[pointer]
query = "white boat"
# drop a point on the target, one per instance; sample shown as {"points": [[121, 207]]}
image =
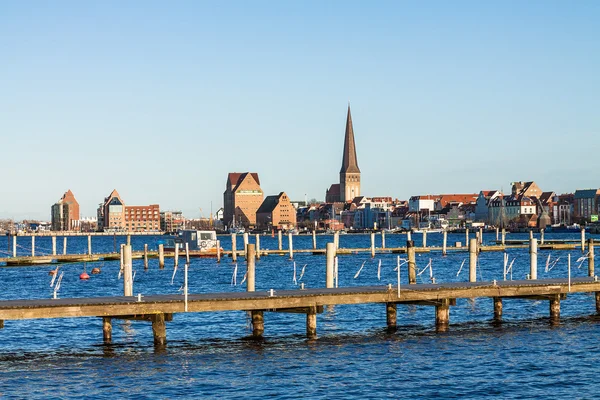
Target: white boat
{"points": [[202, 241]]}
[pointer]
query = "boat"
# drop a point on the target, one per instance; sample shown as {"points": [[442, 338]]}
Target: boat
{"points": [[204, 242]]}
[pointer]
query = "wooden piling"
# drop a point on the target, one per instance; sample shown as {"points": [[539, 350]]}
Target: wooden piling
{"points": [[444, 242], [480, 235], [159, 330], [127, 271], [530, 234], [382, 239], [258, 324], [257, 242], [466, 237], [533, 258], [187, 253], [582, 240], [14, 245], [424, 238], [391, 313], [442, 316], [279, 240], [33, 246], [107, 329], [372, 244], [53, 245], [1, 324], [176, 256], [412, 265], [314, 239], [246, 241], [591, 257], [161, 256], [218, 251], [555, 307], [330, 259], [497, 309], [250, 269], [408, 236], [64, 246], [542, 236], [336, 239], [503, 236], [497, 234], [311, 323], [473, 260], [291, 245], [145, 256], [89, 240], [122, 259], [233, 248]]}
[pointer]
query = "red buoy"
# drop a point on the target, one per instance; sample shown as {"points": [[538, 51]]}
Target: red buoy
{"points": [[84, 276]]}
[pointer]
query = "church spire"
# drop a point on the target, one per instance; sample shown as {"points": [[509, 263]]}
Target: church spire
{"points": [[349, 161]]}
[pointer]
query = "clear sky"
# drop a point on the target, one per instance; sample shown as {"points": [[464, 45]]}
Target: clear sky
{"points": [[161, 100]]}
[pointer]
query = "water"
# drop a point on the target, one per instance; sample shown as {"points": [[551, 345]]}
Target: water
{"points": [[210, 354]]}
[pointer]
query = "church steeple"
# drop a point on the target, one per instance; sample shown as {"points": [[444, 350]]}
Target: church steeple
{"points": [[349, 161]]}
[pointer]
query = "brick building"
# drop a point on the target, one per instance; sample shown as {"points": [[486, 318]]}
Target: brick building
{"points": [[65, 213], [171, 221], [276, 212], [114, 215], [241, 199], [586, 204]]}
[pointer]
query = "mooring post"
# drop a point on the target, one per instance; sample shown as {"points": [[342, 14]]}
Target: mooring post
{"points": [[314, 239], [233, 248], [336, 239], [497, 234], [530, 234], [218, 251], [533, 256], [372, 244], [32, 245], [480, 235], [412, 265], [64, 246], [145, 255], [14, 245], [114, 242], [161, 256], [542, 236], [382, 239], [311, 323], [250, 269], [555, 307], [246, 241], [503, 236], [330, 259], [107, 329], [497, 309], [257, 241], [89, 245], [473, 260], [408, 236], [466, 237], [442, 315], [444, 242], [477, 237], [291, 245], [159, 330], [258, 324], [53, 245], [424, 238], [391, 316], [582, 240], [122, 259], [176, 256], [279, 240], [127, 271], [590, 257], [187, 253]]}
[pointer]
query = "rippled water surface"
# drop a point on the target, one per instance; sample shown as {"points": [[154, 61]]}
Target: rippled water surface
{"points": [[210, 355]]}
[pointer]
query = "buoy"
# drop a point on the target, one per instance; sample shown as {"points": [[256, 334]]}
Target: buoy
{"points": [[53, 272], [95, 271], [84, 276]]}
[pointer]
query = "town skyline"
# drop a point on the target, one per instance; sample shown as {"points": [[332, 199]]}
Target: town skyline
{"points": [[454, 98]]}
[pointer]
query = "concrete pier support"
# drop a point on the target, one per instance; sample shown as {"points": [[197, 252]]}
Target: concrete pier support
{"points": [[382, 239], [250, 269], [32, 246], [372, 244], [107, 329], [330, 259], [159, 330], [442, 316], [279, 240], [473, 260], [258, 324], [53, 245], [391, 313], [591, 257], [145, 256], [555, 308], [497, 309], [412, 264], [161, 256], [64, 246], [311, 323], [424, 238], [257, 241], [314, 239], [233, 248], [444, 242], [89, 238], [127, 271], [291, 245], [533, 258]]}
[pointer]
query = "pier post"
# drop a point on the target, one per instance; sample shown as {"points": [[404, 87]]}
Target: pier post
{"points": [[408, 236], [336, 239], [480, 235], [122, 259], [128, 240], [258, 324], [583, 240], [159, 330], [311, 323], [246, 241], [314, 239], [591, 257], [533, 255], [145, 256], [424, 238], [279, 240], [107, 329], [473, 260], [257, 246], [176, 256], [412, 265], [555, 308], [466, 237], [187, 253], [477, 237], [14, 246], [372, 244], [291, 245], [127, 271], [497, 234], [233, 248], [161, 256], [503, 236], [497, 309], [64, 246], [391, 313], [382, 239], [530, 234], [250, 269], [542, 236], [442, 315], [218, 251], [53, 245], [444, 242], [32, 245], [89, 245], [330, 257]]}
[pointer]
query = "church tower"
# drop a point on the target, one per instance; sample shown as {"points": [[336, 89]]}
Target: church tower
{"points": [[349, 173]]}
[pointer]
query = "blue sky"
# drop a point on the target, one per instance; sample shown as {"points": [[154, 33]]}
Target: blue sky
{"points": [[161, 100]]}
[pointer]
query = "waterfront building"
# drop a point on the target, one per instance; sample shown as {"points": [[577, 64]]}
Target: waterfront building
{"points": [[586, 205], [482, 204], [563, 206], [171, 221], [276, 212], [241, 199], [142, 218], [349, 186], [65, 213], [114, 215]]}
